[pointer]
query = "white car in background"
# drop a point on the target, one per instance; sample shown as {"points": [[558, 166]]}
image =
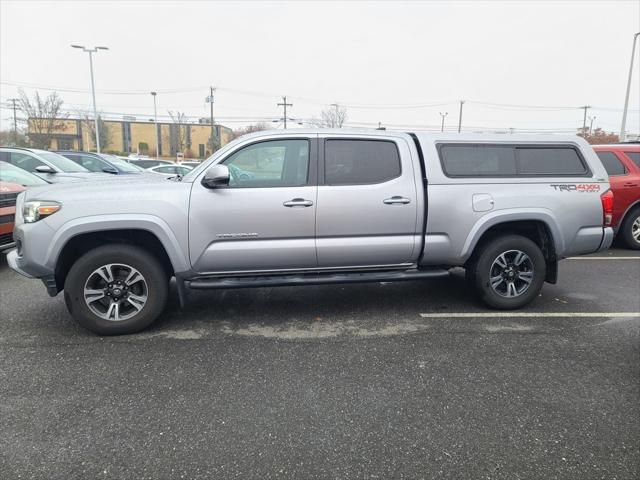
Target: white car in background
{"points": [[170, 170]]}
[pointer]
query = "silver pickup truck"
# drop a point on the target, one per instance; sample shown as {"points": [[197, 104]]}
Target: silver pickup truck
{"points": [[301, 207]]}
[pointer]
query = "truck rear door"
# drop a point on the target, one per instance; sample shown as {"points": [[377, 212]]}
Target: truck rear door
{"points": [[367, 209]]}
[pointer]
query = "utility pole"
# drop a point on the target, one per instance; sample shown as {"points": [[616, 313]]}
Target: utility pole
{"points": [[211, 89], [155, 118], [460, 117], [626, 98], [14, 106], [285, 105], [591, 119], [443, 115], [584, 118]]}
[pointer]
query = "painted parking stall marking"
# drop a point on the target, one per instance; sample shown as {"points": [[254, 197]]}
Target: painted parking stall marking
{"points": [[530, 314], [603, 258]]}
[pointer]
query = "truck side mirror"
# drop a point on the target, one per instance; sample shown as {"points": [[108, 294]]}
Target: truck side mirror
{"points": [[216, 176]]}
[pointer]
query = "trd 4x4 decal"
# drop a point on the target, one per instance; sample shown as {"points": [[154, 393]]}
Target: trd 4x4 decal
{"points": [[580, 187]]}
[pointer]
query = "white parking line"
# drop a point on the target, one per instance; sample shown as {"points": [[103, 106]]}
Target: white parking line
{"points": [[603, 258], [529, 314]]}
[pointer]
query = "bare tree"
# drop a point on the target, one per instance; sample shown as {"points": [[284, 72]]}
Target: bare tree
{"points": [[333, 116], [598, 136], [44, 117], [256, 127], [178, 135], [103, 131], [8, 138]]}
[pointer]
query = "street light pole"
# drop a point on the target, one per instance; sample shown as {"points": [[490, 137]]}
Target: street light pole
{"points": [[155, 119], [591, 119], [460, 117], [91, 51], [584, 119], [626, 98], [443, 115]]}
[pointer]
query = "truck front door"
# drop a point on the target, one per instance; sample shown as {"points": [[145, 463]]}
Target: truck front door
{"points": [[265, 218]]}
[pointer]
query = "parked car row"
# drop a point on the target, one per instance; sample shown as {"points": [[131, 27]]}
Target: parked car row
{"points": [[27, 167]]}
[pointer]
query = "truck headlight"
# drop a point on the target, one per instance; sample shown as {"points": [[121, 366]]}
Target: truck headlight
{"points": [[38, 209]]}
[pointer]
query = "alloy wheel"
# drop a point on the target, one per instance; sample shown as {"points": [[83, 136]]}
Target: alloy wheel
{"points": [[511, 273], [635, 230], [116, 292]]}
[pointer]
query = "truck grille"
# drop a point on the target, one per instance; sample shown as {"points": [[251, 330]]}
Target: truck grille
{"points": [[8, 199], [7, 218], [6, 239]]}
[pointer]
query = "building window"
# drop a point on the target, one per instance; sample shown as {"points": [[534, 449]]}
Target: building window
{"points": [[65, 144], [201, 150]]}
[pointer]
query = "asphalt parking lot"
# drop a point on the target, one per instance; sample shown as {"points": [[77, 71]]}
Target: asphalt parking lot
{"points": [[356, 381]]}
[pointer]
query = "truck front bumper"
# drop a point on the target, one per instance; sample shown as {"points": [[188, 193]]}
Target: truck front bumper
{"points": [[13, 259]]}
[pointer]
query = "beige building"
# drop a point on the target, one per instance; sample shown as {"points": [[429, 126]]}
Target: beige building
{"points": [[131, 136]]}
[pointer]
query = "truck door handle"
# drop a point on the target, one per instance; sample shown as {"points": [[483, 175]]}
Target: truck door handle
{"points": [[396, 199], [631, 184], [298, 202]]}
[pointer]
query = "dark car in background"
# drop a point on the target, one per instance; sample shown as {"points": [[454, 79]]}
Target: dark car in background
{"points": [[622, 162], [101, 162], [49, 166], [8, 194]]}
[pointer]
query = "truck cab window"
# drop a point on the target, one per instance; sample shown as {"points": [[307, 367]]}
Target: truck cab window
{"points": [[353, 162]]}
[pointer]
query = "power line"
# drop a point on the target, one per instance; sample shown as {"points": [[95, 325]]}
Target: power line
{"points": [[352, 105]]}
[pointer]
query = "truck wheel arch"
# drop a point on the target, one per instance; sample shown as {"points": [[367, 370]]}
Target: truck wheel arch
{"points": [[77, 237], [543, 231]]}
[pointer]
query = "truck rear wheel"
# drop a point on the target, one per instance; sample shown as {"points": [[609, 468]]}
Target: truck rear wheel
{"points": [[630, 229], [508, 272], [116, 289]]}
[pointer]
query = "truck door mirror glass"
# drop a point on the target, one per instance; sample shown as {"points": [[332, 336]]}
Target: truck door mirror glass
{"points": [[216, 176], [44, 169]]}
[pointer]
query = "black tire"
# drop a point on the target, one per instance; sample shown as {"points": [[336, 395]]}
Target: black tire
{"points": [[533, 268], [627, 229], [154, 284]]}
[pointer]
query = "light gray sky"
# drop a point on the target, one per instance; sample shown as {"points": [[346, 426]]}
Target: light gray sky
{"points": [[381, 59]]}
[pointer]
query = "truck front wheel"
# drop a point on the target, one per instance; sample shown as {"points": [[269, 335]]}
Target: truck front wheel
{"points": [[508, 272], [116, 289]]}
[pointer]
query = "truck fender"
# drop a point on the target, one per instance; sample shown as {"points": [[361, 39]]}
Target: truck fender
{"points": [[515, 215], [150, 223]]}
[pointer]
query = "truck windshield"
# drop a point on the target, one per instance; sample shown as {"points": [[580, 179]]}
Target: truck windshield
{"points": [[62, 163], [122, 165]]}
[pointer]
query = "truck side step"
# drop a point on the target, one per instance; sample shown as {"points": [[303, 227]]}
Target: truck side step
{"points": [[312, 279]]}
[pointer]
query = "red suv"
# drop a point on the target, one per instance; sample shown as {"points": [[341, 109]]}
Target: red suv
{"points": [[622, 162]]}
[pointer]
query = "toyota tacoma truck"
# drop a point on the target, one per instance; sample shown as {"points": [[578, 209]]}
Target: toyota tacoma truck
{"points": [[303, 207]]}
